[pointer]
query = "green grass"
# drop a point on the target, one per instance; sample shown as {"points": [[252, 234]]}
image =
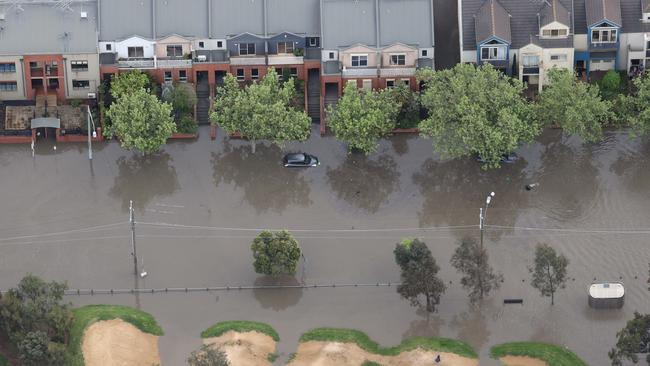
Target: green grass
{"points": [[85, 316], [240, 326], [3, 361], [272, 357], [551, 354], [370, 363], [363, 341]]}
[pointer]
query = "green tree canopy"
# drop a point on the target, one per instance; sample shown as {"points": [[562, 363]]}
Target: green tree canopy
{"points": [[141, 121], [361, 118], [477, 275], [207, 355], [573, 105], [611, 85], [275, 253], [419, 273], [129, 82], [637, 106], [181, 96], [475, 110], [261, 111], [549, 272], [632, 340]]}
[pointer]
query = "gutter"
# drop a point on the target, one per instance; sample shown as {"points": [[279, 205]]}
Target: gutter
{"points": [[153, 19], [209, 19]]}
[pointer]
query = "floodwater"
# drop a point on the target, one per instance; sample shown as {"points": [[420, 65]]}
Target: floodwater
{"points": [[193, 199]]}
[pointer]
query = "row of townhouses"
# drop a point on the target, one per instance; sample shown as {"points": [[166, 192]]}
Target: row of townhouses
{"points": [[68, 47], [526, 38]]}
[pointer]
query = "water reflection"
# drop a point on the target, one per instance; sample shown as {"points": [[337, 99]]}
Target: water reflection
{"points": [[277, 299], [267, 185], [472, 326], [365, 182], [142, 178], [427, 326], [634, 168], [401, 143]]}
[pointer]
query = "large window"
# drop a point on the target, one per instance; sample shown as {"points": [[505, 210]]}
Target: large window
{"points": [[246, 49], [285, 47], [79, 65], [554, 33], [80, 84], [168, 76], [182, 75], [530, 60], [493, 53], [240, 74], [559, 57], [604, 35], [7, 67], [255, 74], [398, 59], [359, 60], [136, 51], [8, 86], [174, 50]]}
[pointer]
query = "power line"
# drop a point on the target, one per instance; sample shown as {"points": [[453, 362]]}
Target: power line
{"points": [[83, 230], [585, 231]]}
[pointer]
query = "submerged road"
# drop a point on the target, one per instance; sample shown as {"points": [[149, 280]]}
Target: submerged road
{"points": [[199, 204]]}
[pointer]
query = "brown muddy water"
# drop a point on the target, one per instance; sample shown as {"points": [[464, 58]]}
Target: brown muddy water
{"points": [[590, 200]]}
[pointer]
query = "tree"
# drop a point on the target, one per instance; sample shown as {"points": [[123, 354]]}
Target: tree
{"points": [[141, 121], [261, 111], [129, 82], [418, 273], [207, 355], [361, 118], [475, 111], [182, 97], [632, 340], [610, 85], [637, 106], [573, 105], [472, 262], [33, 349], [409, 105], [549, 272], [275, 253]]}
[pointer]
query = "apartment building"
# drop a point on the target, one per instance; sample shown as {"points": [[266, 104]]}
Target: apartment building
{"points": [[48, 48]]}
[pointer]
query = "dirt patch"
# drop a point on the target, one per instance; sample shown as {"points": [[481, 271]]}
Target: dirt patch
{"points": [[349, 354], [116, 342], [246, 348], [521, 361]]}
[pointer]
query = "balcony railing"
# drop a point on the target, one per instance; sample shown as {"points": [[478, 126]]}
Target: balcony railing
{"points": [[135, 63], [497, 63], [210, 56], [248, 60], [354, 72], [331, 67], [174, 63], [396, 71], [603, 46], [312, 53], [530, 70], [285, 60]]}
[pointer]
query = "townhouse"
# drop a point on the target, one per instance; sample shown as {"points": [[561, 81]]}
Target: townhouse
{"points": [[48, 48]]}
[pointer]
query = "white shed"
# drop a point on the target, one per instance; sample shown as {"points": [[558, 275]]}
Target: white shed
{"points": [[608, 295]]}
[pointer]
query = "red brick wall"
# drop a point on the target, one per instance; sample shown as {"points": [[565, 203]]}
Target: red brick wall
{"points": [[43, 59]]}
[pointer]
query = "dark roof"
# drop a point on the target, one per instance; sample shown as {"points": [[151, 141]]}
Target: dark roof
{"points": [[554, 11], [645, 6], [630, 15], [599, 10], [492, 20]]}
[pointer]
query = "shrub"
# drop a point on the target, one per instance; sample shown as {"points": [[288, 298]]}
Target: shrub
{"points": [[186, 124], [611, 85]]}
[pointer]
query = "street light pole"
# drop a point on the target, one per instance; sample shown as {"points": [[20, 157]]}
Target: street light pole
{"points": [[483, 215], [89, 119], [133, 247]]}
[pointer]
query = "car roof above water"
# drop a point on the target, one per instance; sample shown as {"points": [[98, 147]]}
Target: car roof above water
{"points": [[300, 157]]}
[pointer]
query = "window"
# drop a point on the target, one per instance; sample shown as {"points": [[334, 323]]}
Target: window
{"points": [[558, 57], [405, 81], [8, 86], [425, 53], [255, 74], [240, 74], [136, 51], [7, 67], [359, 60], [79, 65], [278, 70], [554, 33], [390, 83], [352, 82], [246, 49], [34, 65], [604, 35], [493, 53], [293, 72], [367, 84], [174, 50], [168, 76], [109, 47], [219, 44], [647, 45], [285, 47], [182, 75], [201, 44], [398, 60], [331, 55], [530, 60], [80, 84], [313, 41]]}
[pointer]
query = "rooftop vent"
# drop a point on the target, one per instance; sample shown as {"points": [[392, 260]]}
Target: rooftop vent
{"points": [[84, 15]]}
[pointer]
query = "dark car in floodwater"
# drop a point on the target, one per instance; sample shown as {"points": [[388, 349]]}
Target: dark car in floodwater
{"points": [[297, 160], [505, 158]]}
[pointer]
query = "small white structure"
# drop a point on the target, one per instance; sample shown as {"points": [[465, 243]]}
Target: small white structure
{"points": [[606, 295]]}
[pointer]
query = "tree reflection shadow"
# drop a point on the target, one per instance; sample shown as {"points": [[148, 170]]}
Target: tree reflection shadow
{"points": [[142, 178], [364, 182], [277, 299], [429, 326], [634, 168], [472, 326], [267, 185]]}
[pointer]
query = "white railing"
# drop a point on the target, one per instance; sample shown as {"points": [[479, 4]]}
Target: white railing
{"points": [[247, 60], [174, 63], [135, 64], [285, 60], [397, 71], [351, 72]]}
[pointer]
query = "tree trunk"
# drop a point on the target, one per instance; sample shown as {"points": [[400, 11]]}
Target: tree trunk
{"points": [[429, 310], [253, 146], [550, 282]]}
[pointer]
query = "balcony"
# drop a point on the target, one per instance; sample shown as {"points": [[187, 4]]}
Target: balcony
{"points": [[135, 63], [359, 72], [530, 70], [613, 46], [285, 60], [170, 63], [312, 53], [499, 64], [396, 71], [247, 60], [210, 56], [36, 72], [332, 67]]}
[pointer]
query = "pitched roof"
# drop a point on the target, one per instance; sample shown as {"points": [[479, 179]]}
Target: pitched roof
{"points": [[492, 20], [599, 10], [554, 11]]}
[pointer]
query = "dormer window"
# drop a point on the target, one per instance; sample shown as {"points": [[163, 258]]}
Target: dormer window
{"points": [[604, 35], [554, 33], [493, 53], [359, 60], [646, 17]]}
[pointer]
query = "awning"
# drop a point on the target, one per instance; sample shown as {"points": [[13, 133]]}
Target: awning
{"points": [[46, 122]]}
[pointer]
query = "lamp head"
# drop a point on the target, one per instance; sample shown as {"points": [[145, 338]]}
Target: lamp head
{"points": [[94, 134]]}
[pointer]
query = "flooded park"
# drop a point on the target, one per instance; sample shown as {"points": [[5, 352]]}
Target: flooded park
{"points": [[199, 204]]}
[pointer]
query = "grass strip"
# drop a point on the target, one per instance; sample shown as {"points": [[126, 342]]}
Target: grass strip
{"points": [[551, 354], [362, 340], [240, 326], [87, 315]]}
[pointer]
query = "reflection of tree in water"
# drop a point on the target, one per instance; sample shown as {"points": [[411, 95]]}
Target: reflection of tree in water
{"points": [[472, 327], [277, 299], [401, 143], [267, 185], [363, 182], [428, 326], [141, 178], [453, 191], [634, 168]]}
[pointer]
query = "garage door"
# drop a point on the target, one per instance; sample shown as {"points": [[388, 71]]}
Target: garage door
{"points": [[602, 65]]}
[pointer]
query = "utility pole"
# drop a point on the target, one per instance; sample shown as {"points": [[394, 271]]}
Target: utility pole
{"points": [[133, 247], [482, 215]]}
